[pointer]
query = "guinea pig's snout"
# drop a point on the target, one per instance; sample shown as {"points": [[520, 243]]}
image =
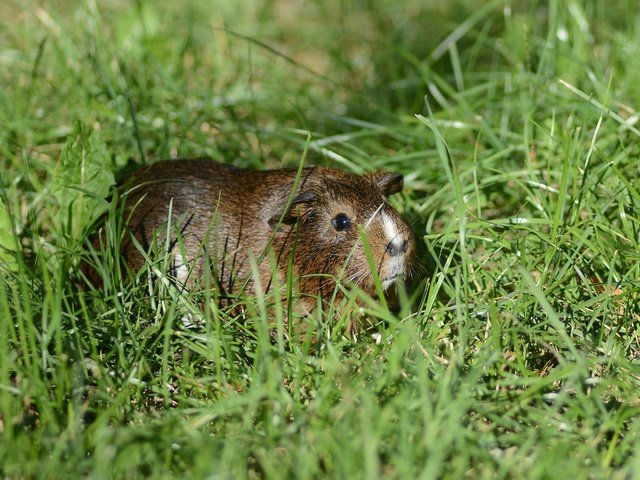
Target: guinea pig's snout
{"points": [[397, 246]]}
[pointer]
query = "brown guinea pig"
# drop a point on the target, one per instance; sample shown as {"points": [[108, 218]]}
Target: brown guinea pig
{"points": [[225, 218]]}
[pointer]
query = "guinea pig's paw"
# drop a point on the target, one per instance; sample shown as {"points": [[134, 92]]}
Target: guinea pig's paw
{"points": [[188, 321]]}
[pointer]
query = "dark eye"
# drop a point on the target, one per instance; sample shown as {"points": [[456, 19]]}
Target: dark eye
{"points": [[341, 222]]}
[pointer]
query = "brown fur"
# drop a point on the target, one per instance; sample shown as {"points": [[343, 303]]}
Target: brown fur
{"points": [[232, 214]]}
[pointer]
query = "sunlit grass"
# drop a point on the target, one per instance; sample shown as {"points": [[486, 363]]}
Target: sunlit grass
{"points": [[516, 130]]}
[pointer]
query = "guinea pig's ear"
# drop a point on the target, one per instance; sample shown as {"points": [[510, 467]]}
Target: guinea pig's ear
{"points": [[300, 208], [388, 182]]}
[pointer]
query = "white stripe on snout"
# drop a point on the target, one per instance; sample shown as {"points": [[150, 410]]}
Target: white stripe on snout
{"points": [[390, 229]]}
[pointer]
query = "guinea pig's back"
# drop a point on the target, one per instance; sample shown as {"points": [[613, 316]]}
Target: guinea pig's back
{"points": [[204, 202], [180, 187]]}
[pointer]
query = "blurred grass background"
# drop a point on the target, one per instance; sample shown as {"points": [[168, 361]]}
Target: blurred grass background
{"points": [[515, 125]]}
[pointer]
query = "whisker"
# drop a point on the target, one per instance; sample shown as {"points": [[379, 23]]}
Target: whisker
{"points": [[366, 225]]}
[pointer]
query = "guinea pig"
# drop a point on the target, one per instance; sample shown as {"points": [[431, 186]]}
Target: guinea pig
{"points": [[228, 220]]}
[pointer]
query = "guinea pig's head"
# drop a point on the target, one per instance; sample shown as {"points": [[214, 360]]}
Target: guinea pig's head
{"points": [[330, 213]]}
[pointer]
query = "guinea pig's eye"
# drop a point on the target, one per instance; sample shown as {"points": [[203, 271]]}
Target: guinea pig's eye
{"points": [[341, 222]]}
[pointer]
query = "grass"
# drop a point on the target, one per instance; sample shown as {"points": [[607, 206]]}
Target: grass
{"points": [[515, 125]]}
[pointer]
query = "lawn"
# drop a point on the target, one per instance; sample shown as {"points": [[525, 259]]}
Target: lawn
{"points": [[515, 351]]}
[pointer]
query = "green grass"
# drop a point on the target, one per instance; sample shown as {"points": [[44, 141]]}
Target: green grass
{"points": [[515, 125]]}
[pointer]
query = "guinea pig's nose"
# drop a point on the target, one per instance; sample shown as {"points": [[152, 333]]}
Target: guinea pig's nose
{"points": [[397, 247]]}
